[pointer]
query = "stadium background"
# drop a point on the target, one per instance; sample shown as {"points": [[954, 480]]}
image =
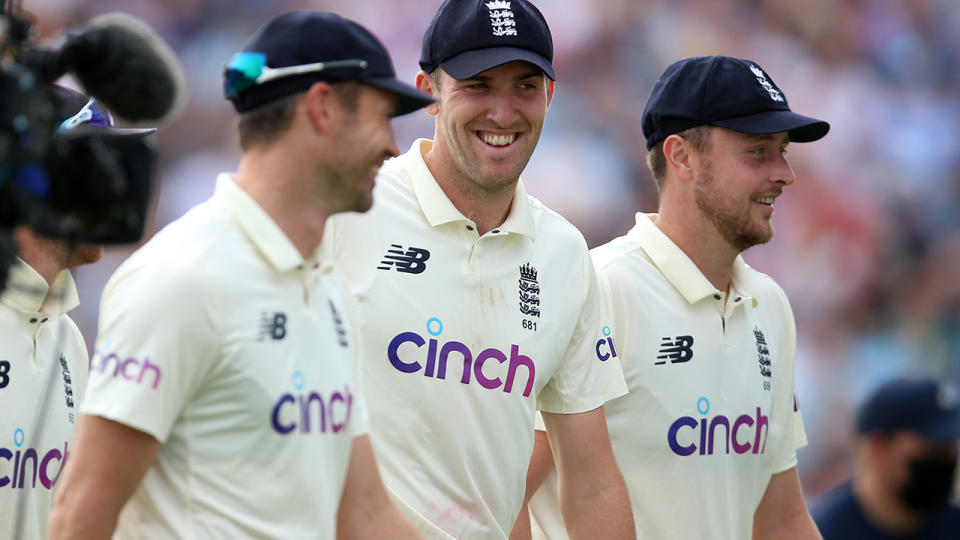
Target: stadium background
{"points": [[868, 241]]}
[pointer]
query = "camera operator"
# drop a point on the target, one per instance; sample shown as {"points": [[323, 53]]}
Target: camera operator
{"points": [[38, 337]]}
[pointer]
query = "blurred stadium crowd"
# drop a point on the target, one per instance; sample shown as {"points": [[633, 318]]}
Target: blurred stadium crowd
{"points": [[867, 242]]}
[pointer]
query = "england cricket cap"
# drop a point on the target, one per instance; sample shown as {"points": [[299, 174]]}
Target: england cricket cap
{"points": [[927, 407], [722, 91], [348, 51], [467, 37], [74, 110]]}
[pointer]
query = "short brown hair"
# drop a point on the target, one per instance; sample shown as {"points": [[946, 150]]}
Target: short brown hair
{"points": [[699, 139], [264, 124]]}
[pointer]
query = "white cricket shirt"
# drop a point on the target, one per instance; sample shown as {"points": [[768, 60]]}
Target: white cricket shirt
{"points": [[42, 359], [711, 414], [463, 338], [220, 341]]}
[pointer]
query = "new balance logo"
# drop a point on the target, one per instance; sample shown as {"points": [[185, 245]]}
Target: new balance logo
{"points": [[274, 326], [4, 373], [677, 350], [411, 261]]}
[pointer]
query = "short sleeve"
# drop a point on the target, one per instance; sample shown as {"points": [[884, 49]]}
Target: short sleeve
{"points": [[794, 435], [157, 341], [590, 373]]}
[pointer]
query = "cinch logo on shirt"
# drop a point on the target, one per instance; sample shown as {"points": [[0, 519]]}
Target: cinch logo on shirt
{"points": [[309, 411], [131, 369], [30, 461], [437, 363], [605, 348], [745, 434]]}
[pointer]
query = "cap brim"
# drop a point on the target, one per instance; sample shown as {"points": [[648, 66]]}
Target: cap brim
{"points": [[409, 98], [130, 132], [801, 128], [470, 63], [946, 430]]}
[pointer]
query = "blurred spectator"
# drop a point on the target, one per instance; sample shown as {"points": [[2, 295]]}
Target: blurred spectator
{"points": [[905, 462]]}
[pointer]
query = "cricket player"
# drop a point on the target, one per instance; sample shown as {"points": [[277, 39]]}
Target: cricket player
{"points": [[707, 436], [476, 304], [223, 399], [43, 358]]}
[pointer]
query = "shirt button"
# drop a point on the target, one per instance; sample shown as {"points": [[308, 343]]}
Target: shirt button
{"points": [[33, 320], [469, 227], [738, 299], [495, 231], [716, 297], [43, 319]]}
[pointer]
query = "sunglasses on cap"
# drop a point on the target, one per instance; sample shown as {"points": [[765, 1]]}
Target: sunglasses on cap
{"points": [[89, 115], [248, 69]]}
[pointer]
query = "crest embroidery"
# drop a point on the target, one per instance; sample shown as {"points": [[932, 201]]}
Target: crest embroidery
{"points": [[501, 18], [529, 291], [763, 357], [766, 84]]}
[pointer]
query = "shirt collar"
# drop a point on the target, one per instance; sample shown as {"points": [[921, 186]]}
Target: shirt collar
{"points": [[677, 267], [258, 226], [437, 207], [28, 292]]}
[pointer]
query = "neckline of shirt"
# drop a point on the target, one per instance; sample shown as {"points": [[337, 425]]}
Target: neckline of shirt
{"points": [[437, 207], [261, 229], [28, 293], [679, 270]]}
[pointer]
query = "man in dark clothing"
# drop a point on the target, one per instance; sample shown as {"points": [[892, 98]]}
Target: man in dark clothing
{"points": [[905, 460]]}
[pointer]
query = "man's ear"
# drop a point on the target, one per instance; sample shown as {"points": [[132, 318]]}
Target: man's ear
{"points": [[427, 85], [321, 107], [551, 87], [677, 152]]}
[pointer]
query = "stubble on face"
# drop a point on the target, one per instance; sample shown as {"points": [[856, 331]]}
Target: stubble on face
{"points": [[365, 140], [472, 167], [462, 116], [730, 217]]}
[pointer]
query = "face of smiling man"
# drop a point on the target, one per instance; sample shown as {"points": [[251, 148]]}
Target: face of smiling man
{"points": [[738, 180], [488, 125]]}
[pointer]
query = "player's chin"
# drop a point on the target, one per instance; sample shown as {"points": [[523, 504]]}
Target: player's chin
{"points": [[760, 235], [86, 254], [363, 203]]}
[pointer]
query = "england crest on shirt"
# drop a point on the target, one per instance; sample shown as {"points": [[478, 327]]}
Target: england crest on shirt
{"points": [[529, 291], [763, 357]]}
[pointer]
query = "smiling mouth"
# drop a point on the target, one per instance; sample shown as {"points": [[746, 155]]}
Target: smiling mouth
{"points": [[766, 200], [497, 139]]}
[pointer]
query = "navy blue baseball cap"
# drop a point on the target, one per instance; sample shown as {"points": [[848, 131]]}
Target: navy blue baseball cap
{"points": [[467, 37], [722, 91], [292, 51], [927, 407]]}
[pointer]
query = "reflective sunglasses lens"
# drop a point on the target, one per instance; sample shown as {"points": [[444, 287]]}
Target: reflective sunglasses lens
{"points": [[242, 72]]}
